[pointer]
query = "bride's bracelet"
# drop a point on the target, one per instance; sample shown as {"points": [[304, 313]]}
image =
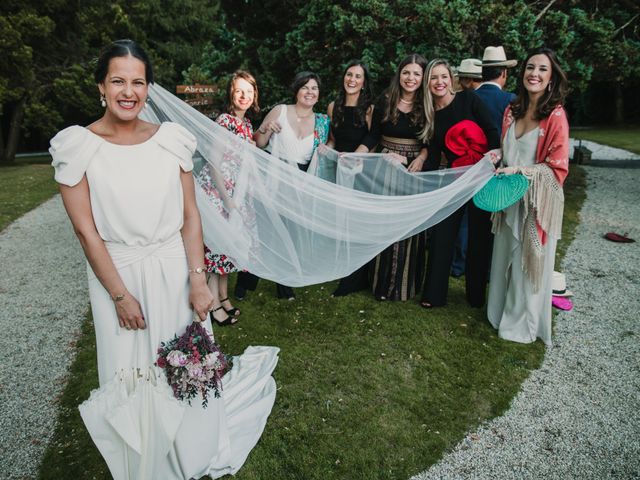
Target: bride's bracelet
{"points": [[118, 298]]}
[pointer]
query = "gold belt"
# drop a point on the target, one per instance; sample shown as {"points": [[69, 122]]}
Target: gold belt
{"points": [[400, 141]]}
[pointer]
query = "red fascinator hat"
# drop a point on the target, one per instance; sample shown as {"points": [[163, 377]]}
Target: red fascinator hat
{"points": [[466, 140]]}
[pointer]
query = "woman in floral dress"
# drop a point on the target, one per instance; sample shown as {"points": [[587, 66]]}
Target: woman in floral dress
{"points": [[242, 97]]}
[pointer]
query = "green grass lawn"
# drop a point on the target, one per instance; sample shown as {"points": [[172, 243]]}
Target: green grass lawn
{"points": [[620, 137], [22, 188], [366, 389]]}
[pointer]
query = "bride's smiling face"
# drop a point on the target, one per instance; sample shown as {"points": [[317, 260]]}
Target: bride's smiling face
{"points": [[125, 87]]}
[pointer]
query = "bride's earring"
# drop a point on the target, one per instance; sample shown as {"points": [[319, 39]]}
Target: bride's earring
{"points": [[103, 101], [549, 86]]}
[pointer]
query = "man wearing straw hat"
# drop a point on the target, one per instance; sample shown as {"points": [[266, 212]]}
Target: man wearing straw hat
{"points": [[494, 77], [469, 74]]}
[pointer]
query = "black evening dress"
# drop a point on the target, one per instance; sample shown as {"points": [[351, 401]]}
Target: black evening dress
{"points": [[349, 132], [466, 105], [398, 271]]}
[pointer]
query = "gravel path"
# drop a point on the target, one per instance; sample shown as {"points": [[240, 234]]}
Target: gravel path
{"points": [[578, 416], [604, 152], [44, 298]]}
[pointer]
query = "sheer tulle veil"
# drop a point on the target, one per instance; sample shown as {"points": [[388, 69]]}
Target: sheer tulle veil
{"points": [[300, 228]]}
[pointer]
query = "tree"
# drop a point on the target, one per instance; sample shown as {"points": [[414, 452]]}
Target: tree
{"points": [[607, 48], [594, 40], [19, 31], [45, 75]]}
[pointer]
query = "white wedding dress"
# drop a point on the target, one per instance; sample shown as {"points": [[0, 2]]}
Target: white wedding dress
{"points": [[142, 431]]}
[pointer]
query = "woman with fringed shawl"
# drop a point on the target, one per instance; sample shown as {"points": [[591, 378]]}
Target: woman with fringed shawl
{"points": [[536, 144]]}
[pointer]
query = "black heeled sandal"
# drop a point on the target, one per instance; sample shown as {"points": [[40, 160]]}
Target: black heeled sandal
{"points": [[233, 312], [224, 323]]}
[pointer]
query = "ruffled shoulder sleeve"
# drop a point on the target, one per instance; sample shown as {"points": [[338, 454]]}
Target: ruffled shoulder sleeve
{"points": [[72, 150], [178, 141]]}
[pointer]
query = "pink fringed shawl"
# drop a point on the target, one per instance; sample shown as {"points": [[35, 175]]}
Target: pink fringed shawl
{"points": [[544, 201]]}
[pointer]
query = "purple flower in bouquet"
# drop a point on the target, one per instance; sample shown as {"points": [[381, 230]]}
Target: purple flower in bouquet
{"points": [[193, 364]]}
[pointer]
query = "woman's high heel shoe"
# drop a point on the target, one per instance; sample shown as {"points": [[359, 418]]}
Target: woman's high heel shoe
{"points": [[223, 323], [233, 311]]}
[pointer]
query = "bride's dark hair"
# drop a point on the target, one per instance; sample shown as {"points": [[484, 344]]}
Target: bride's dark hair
{"points": [[122, 48]]}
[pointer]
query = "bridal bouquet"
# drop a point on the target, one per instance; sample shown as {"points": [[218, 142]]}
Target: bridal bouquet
{"points": [[193, 364]]}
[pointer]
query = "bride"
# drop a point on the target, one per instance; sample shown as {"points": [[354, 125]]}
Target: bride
{"points": [[128, 189]]}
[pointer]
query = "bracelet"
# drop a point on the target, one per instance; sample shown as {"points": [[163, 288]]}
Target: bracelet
{"points": [[196, 270], [262, 130], [117, 298]]}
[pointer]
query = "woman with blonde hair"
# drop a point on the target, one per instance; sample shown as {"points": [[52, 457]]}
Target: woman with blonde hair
{"points": [[459, 132]]}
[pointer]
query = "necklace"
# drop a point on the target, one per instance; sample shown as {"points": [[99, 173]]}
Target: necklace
{"points": [[300, 118], [406, 101]]}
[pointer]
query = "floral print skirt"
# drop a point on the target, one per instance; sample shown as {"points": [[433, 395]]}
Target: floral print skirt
{"points": [[218, 263]]}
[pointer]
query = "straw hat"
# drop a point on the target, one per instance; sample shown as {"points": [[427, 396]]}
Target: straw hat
{"points": [[559, 285], [468, 68], [495, 57]]}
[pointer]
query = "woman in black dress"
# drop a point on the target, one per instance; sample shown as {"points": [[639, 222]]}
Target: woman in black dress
{"points": [[398, 120], [350, 116], [449, 116]]}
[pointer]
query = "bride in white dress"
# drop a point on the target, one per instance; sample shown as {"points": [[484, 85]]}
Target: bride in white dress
{"points": [[128, 190]]}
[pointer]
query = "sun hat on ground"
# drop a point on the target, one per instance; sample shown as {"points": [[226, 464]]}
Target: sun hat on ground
{"points": [[559, 285], [495, 57]]}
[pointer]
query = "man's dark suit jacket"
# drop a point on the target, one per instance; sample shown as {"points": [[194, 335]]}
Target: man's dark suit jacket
{"points": [[496, 101]]}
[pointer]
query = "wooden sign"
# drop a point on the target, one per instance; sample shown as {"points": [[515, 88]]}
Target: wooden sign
{"points": [[196, 89], [194, 102], [201, 97]]}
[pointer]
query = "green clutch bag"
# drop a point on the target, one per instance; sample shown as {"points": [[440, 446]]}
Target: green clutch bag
{"points": [[501, 192]]}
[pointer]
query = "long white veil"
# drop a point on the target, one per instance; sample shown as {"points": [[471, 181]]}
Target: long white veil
{"points": [[300, 228]]}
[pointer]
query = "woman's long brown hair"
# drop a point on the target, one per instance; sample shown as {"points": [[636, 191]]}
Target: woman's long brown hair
{"points": [[551, 98], [416, 115]]}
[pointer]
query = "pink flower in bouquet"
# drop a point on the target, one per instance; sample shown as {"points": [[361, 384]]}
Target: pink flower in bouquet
{"points": [[194, 370], [195, 356], [211, 359], [177, 359], [193, 364]]}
